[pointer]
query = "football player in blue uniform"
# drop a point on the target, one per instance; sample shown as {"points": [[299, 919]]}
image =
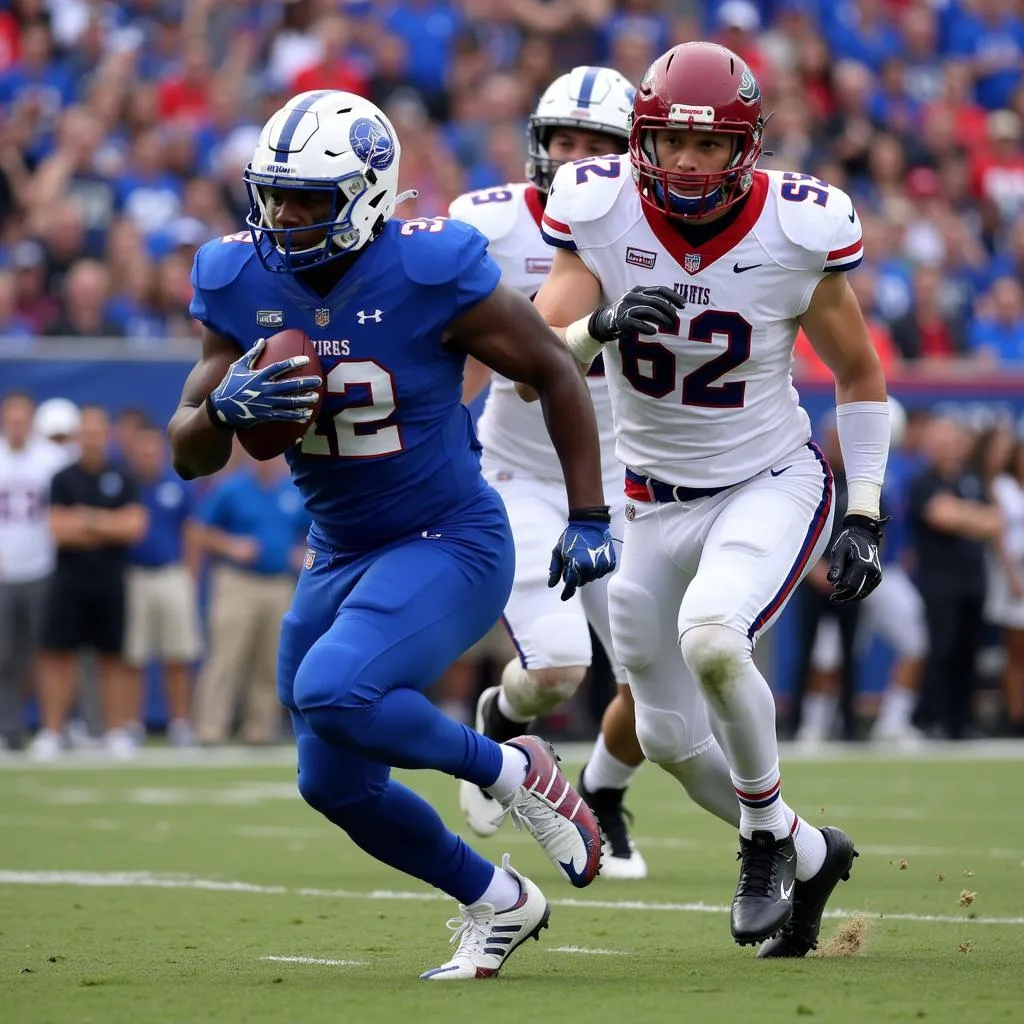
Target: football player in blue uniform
{"points": [[410, 556]]}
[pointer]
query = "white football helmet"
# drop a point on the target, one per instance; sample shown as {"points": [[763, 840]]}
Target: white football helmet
{"points": [[326, 140], [594, 99]]}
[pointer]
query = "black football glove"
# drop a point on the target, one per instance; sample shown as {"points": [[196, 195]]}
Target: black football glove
{"points": [[639, 311], [855, 570]]}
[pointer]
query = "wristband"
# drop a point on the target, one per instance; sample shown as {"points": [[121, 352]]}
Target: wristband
{"points": [[580, 341], [215, 419], [596, 514]]}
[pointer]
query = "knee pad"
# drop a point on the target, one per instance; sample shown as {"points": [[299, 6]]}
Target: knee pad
{"points": [[716, 655], [635, 621], [552, 639], [538, 691], [664, 736]]}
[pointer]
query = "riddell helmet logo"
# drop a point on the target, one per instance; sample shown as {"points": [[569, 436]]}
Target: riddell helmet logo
{"points": [[691, 115]]}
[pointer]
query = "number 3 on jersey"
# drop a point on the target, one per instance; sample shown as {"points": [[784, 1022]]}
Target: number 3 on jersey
{"points": [[650, 367], [359, 430]]}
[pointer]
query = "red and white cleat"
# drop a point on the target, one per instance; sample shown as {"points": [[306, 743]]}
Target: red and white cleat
{"points": [[551, 810]]}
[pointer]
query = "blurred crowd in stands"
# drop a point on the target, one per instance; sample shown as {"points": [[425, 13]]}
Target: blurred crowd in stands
{"points": [[125, 124]]}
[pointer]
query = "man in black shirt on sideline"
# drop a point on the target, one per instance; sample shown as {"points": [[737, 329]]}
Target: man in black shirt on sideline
{"points": [[952, 522], [95, 517]]}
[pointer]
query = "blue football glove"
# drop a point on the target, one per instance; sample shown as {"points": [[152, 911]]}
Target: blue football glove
{"points": [[247, 396], [584, 552]]}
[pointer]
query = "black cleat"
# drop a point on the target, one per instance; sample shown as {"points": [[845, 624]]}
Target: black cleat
{"points": [[480, 808], [492, 723], [619, 856], [800, 936], [763, 903]]}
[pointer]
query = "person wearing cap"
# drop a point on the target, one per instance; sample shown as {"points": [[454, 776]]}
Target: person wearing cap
{"points": [[27, 463]]}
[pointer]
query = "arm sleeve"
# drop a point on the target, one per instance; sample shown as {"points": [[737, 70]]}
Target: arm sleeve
{"points": [[846, 249], [556, 224]]}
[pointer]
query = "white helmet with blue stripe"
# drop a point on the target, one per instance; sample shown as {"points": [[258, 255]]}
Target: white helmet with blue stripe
{"points": [[595, 99], [323, 141]]}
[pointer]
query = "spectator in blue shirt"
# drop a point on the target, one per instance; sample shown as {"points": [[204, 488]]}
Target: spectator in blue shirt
{"points": [[253, 524], [991, 39], [1000, 333], [162, 603], [38, 87]]}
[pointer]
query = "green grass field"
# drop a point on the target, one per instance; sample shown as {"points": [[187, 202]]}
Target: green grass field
{"points": [[157, 893]]}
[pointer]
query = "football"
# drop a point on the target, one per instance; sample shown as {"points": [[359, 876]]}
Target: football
{"points": [[269, 439]]}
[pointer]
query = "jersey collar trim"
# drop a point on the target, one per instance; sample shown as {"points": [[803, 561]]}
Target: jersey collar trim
{"points": [[534, 203], [716, 247]]}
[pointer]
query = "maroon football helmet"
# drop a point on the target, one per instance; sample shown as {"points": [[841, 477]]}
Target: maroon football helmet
{"points": [[706, 87]]}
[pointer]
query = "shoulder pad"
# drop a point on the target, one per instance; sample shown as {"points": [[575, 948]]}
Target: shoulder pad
{"points": [[587, 189], [430, 247], [819, 220], [492, 211], [219, 262]]}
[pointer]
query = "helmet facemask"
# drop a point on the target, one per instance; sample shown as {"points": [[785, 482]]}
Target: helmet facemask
{"points": [[277, 248], [686, 195]]}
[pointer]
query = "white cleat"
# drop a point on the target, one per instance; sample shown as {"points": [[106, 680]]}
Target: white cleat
{"points": [[488, 937], [120, 745], [481, 810], [631, 867], [46, 745]]}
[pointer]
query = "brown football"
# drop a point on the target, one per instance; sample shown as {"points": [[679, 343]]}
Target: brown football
{"points": [[269, 439]]}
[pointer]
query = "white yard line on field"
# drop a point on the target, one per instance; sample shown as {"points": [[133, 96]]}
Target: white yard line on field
{"points": [[583, 951], [143, 879], [314, 960]]}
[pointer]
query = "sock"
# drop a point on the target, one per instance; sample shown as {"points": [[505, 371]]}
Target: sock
{"points": [[707, 783], [810, 846], [897, 707], [761, 806], [502, 892], [514, 764], [399, 828], [819, 712], [605, 771], [510, 712]]}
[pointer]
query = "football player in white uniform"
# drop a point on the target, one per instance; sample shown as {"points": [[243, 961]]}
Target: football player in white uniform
{"points": [[582, 113], [729, 504]]}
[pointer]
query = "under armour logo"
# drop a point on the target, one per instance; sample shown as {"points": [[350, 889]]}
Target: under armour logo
{"points": [[374, 316]]}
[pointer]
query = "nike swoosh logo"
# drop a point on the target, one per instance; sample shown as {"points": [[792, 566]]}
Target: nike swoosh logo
{"points": [[779, 472], [788, 895], [737, 269], [853, 212], [573, 875]]}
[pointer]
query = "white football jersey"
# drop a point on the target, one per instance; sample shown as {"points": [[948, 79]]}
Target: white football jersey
{"points": [[27, 549], [713, 403], [512, 431]]}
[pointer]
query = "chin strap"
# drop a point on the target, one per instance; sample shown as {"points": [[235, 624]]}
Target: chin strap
{"points": [[410, 193]]}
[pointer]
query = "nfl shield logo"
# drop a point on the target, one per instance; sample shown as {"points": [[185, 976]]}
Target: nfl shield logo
{"points": [[691, 262], [309, 559], [322, 317]]}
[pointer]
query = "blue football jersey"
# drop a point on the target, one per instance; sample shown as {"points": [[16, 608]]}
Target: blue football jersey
{"points": [[393, 449]]}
